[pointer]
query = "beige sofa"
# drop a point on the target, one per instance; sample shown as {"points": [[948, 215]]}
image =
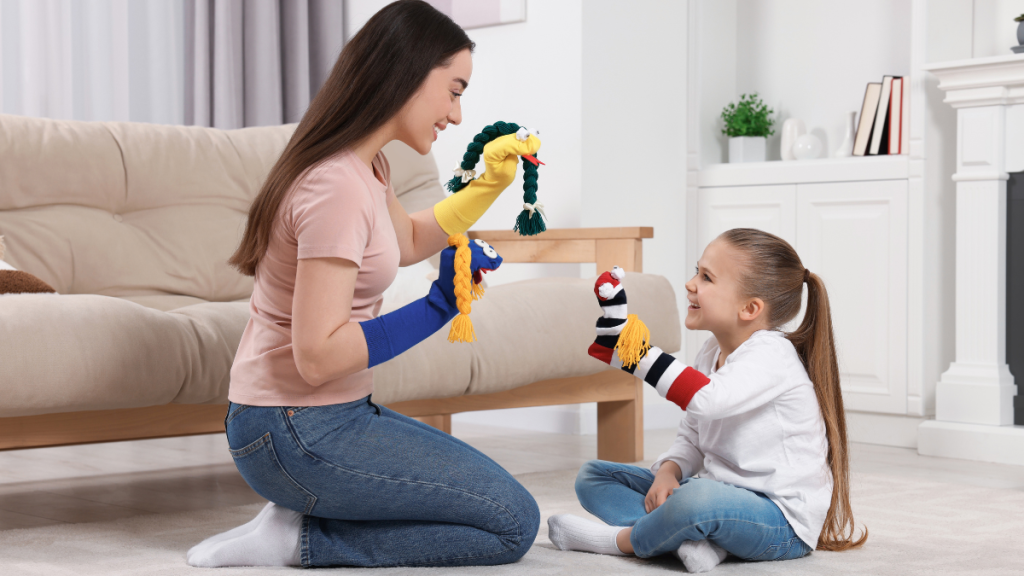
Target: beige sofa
{"points": [[133, 223]]}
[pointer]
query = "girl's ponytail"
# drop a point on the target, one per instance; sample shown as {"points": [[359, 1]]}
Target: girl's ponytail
{"points": [[816, 347], [776, 275]]}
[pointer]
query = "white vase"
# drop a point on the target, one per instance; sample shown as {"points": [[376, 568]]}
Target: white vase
{"points": [[846, 148], [747, 149], [792, 129]]}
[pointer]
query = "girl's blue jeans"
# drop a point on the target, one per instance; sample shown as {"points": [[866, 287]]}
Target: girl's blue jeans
{"points": [[747, 524], [381, 489]]}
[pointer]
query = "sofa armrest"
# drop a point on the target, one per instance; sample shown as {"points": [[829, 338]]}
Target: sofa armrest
{"points": [[606, 247]]}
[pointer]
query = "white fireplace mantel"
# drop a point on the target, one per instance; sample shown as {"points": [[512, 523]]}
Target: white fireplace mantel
{"points": [[974, 397]]}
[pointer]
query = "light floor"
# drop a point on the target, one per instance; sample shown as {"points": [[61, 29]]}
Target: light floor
{"points": [[100, 482]]}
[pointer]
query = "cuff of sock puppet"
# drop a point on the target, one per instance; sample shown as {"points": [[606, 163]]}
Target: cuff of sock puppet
{"points": [[449, 218], [680, 388], [378, 345]]}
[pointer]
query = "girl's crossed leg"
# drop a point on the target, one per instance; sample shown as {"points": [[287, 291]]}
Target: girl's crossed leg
{"points": [[744, 523]]}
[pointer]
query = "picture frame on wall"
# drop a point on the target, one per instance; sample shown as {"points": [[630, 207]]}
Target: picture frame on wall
{"points": [[481, 13]]}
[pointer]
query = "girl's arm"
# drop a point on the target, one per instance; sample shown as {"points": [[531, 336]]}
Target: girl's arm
{"points": [[682, 460], [419, 235], [684, 453], [755, 374]]}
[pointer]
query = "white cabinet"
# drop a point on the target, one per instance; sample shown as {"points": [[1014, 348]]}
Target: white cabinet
{"points": [[854, 235]]}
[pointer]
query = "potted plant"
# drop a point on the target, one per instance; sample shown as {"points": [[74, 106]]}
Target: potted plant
{"points": [[748, 126]]}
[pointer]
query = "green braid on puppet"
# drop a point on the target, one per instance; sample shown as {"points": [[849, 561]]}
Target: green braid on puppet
{"points": [[526, 223]]}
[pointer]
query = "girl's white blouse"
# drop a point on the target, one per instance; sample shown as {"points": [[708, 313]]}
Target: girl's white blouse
{"points": [[757, 425]]}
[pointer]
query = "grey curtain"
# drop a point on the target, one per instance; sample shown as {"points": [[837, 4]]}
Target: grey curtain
{"points": [[257, 62]]}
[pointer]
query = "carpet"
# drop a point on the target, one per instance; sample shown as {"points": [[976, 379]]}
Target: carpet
{"points": [[916, 528]]}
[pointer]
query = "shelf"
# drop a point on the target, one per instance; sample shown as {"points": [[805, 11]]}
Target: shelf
{"points": [[851, 169]]}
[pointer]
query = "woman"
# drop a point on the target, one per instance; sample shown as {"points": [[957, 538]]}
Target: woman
{"points": [[352, 483]]}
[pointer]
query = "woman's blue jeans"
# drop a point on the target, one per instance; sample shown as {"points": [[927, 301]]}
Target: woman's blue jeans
{"points": [[747, 524], [381, 489]]}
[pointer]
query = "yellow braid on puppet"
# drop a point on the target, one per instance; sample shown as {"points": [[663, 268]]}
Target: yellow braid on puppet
{"points": [[465, 291]]}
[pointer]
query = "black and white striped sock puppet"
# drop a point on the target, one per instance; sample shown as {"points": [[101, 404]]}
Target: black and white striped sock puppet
{"points": [[624, 342]]}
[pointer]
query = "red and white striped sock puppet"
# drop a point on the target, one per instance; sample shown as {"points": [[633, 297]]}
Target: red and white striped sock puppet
{"points": [[623, 341]]}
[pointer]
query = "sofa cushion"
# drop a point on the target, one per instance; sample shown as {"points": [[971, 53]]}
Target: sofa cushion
{"points": [[146, 210], [87, 352]]}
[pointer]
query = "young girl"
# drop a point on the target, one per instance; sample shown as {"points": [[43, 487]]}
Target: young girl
{"points": [[759, 467]]}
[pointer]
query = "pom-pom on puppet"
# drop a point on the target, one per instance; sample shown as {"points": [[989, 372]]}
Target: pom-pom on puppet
{"points": [[531, 220], [472, 260]]}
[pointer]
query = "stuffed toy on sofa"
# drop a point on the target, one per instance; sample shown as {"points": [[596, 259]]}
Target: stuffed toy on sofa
{"points": [[14, 281]]}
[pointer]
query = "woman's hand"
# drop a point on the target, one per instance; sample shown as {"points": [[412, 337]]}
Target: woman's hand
{"points": [[665, 483], [501, 156]]}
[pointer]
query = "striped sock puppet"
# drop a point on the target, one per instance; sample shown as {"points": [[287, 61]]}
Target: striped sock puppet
{"points": [[624, 342]]}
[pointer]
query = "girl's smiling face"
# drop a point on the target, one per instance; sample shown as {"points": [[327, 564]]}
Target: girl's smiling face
{"points": [[436, 104], [715, 302]]}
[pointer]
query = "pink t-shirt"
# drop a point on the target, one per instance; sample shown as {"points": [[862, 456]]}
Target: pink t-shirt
{"points": [[337, 209]]}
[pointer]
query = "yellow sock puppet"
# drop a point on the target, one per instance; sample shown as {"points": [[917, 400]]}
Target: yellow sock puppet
{"points": [[501, 144]]}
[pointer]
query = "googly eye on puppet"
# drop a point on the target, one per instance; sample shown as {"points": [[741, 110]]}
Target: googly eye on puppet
{"points": [[531, 220], [488, 250]]}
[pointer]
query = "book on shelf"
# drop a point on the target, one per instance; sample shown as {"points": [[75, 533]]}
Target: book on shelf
{"points": [[867, 118], [880, 132], [905, 118], [895, 116]]}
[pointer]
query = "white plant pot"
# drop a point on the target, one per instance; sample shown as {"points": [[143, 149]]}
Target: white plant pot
{"points": [[747, 149]]}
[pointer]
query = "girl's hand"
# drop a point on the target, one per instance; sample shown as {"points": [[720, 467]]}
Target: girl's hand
{"points": [[665, 484]]}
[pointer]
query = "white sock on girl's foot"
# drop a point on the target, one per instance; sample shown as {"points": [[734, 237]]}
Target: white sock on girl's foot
{"points": [[273, 542], [568, 532], [233, 533], [700, 555]]}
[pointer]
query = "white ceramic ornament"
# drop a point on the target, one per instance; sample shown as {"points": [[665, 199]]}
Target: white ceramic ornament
{"points": [[807, 147]]}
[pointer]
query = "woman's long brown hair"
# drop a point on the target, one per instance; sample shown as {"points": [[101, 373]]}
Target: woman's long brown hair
{"points": [[377, 72], [775, 274]]}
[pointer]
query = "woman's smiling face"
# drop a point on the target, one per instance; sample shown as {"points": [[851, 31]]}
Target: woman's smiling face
{"points": [[436, 104]]}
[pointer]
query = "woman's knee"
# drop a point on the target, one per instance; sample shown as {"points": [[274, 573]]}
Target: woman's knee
{"points": [[525, 516]]}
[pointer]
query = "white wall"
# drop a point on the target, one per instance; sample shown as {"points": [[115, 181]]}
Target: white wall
{"points": [[993, 26]]}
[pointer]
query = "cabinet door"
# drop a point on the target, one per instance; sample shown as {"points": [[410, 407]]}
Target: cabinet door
{"points": [[854, 235], [768, 208]]}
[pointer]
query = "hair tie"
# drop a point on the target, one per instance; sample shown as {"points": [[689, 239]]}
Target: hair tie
{"points": [[807, 274]]}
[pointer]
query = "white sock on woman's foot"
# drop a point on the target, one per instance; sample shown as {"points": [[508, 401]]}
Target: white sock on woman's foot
{"points": [[568, 532], [233, 533], [700, 555], [274, 541]]}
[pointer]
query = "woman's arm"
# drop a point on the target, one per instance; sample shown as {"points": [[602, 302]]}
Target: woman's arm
{"points": [[325, 344], [419, 235]]}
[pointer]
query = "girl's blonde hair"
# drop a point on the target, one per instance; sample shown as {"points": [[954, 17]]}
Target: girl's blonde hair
{"points": [[775, 274]]}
